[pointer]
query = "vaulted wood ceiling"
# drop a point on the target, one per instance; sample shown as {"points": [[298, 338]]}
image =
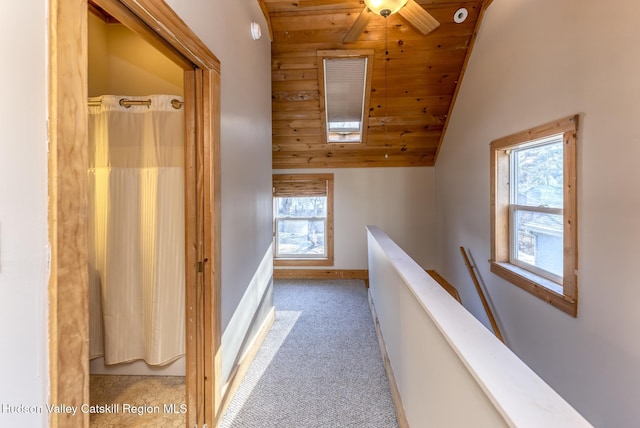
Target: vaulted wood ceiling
{"points": [[409, 102]]}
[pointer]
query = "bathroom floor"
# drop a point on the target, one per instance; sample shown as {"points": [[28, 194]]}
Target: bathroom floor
{"points": [[137, 401]]}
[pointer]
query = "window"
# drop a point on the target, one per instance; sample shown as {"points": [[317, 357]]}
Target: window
{"points": [[533, 218], [303, 219], [345, 85]]}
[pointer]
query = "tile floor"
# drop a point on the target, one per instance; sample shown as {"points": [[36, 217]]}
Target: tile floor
{"points": [[137, 401]]}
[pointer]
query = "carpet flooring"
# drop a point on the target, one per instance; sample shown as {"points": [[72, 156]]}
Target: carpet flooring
{"points": [[319, 366]]}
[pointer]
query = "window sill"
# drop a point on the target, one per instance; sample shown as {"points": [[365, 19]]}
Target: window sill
{"points": [[540, 287], [303, 262]]}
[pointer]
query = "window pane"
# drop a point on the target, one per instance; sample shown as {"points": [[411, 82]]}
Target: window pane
{"points": [[301, 237], [344, 126], [539, 240], [538, 174], [310, 206]]}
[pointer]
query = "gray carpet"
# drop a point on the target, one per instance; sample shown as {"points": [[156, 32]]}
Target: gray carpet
{"points": [[319, 366]]}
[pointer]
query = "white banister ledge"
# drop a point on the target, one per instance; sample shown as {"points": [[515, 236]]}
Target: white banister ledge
{"points": [[449, 369]]}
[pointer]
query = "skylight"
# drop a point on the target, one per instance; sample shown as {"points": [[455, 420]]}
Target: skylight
{"points": [[345, 96]]}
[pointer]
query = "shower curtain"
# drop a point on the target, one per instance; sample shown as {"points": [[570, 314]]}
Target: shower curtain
{"points": [[136, 230]]}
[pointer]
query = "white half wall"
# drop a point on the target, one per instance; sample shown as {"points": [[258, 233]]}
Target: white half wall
{"points": [[533, 62], [24, 249], [449, 370], [399, 200]]}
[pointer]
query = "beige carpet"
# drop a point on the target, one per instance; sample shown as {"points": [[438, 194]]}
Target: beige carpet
{"points": [[137, 401], [320, 365]]}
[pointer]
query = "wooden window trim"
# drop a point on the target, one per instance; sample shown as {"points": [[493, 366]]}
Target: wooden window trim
{"points": [[326, 261], [345, 53], [566, 301]]}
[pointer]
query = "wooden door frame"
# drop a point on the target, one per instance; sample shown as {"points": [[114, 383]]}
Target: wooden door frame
{"points": [[156, 22]]}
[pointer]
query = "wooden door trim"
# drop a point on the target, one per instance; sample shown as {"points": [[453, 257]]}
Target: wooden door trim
{"points": [[212, 244], [68, 161], [192, 247]]}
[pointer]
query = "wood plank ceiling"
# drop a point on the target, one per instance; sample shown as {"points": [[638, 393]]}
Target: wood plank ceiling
{"points": [[411, 95]]}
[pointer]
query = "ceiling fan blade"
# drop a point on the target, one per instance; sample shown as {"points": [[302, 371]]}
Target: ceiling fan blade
{"points": [[418, 17], [358, 26]]}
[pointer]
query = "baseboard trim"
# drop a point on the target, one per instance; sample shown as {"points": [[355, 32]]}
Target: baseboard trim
{"points": [[240, 370], [321, 274], [401, 416]]}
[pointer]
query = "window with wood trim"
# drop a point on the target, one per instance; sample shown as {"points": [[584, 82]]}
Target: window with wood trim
{"points": [[533, 212], [303, 219], [344, 78]]}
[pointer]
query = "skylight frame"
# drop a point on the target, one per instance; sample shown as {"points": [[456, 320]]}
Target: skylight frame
{"points": [[350, 135]]}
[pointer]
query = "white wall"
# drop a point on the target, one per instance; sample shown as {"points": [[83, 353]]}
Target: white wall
{"points": [[224, 26], [398, 200], [535, 62], [24, 250]]}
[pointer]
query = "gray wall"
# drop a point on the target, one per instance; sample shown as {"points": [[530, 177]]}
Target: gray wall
{"points": [[534, 62], [224, 26]]}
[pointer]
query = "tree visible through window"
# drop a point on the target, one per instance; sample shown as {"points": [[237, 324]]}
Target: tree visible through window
{"points": [[301, 226], [303, 219]]}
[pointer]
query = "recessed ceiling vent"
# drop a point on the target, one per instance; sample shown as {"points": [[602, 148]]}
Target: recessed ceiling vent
{"points": [[461, 15]]}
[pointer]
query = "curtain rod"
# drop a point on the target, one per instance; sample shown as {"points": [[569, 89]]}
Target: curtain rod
{"points": [[124, 102]]}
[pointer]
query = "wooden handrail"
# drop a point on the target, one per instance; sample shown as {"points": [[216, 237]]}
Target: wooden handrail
{"points": [[487, 309], [445, 284]]}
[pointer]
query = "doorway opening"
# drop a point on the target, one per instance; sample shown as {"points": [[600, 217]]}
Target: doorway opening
{"points": [[137, 332], [68, 161]]}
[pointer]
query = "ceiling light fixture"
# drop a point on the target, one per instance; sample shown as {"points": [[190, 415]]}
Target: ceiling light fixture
{"points": [[385, 7]]}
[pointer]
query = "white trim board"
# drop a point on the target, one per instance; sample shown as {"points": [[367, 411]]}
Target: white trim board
{"points": [[234, 335]]}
